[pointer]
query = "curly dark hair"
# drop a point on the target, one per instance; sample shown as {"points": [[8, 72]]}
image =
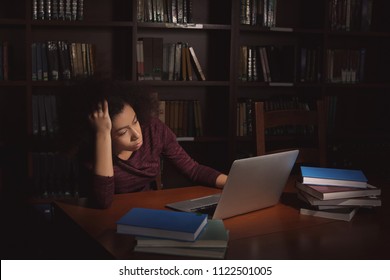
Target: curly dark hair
{"points": [[82, 98]]}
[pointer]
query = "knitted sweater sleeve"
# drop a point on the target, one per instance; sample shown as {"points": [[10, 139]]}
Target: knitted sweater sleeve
{"points": [[102, 190], [173, 152]]}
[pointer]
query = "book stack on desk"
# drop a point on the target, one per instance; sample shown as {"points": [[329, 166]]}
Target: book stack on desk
{"points": [[175, 233], [335, 193], [211, 243]]}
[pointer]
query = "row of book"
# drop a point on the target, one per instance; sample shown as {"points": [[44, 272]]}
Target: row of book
{"points": [[57, 9], [44, 116], [258, 12], [183, 117], [169, 61], [345, 65], [350, 15], [309, 68], [335, 193], [54, 175], [246, 118], [267, 63], [4, 49], [175, 233], [169, 11], [61, 60]]}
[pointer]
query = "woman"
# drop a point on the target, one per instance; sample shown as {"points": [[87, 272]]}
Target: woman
{"points": [[129, 143]]}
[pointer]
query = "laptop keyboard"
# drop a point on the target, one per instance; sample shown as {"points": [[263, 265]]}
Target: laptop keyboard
{"points": [[206, 209]]}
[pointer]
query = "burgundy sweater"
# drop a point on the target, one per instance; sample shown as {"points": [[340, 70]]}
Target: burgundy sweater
{"points": [[141, 169]]}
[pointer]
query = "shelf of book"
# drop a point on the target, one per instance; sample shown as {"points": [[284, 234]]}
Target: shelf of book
{"points": [[217, 32], [79, 24]]}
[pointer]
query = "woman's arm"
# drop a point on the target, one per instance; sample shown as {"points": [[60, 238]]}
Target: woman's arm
{"points": [[100, 120], [185, 164], [102, 187]]}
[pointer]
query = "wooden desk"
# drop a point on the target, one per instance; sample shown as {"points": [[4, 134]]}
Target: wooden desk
{"points": [[278, 232]]}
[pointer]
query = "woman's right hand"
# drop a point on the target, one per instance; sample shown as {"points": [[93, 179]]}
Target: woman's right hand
{"points": [[100, 118]]}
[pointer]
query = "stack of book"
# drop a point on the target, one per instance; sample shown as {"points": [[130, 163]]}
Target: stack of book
{"points": [[175, 233], [335, 193]]}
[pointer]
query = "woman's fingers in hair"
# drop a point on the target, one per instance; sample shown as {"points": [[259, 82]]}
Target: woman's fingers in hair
{"points": [[105, 107], [102, 107]]}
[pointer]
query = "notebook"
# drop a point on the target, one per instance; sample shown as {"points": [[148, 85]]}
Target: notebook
{"points": [[253, 183]]}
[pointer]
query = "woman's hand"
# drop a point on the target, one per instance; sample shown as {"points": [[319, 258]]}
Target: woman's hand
{"points": [[100, 119]]}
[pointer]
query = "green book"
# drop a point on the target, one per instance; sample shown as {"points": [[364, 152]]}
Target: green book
{"points": [[214, 235]]}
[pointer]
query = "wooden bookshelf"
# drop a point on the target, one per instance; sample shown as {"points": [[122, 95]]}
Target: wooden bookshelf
{"points": [[216, 33]]}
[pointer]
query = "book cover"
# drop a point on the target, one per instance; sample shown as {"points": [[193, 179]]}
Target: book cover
{"points": [[333, 177], [196, 62], [343, 214], [335, 192], [162, 224], [214, 235]]}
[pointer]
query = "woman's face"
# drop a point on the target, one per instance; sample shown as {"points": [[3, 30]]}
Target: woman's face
{"points": [[126, 132]]}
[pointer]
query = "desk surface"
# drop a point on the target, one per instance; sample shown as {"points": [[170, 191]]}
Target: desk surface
{"points": [[277, 232]]}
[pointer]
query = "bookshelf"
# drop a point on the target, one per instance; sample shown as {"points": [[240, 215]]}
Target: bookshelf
{"points": [[357, 110]]}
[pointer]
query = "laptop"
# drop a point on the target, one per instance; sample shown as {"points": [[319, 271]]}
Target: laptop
{"points": [[253, 183]]}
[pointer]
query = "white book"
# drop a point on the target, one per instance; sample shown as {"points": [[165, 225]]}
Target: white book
{"points": [[368, 201], [343, 214]]}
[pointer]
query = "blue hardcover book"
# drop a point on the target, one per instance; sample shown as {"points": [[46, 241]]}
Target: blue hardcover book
{"points": [[333, 177], [162, 224]]}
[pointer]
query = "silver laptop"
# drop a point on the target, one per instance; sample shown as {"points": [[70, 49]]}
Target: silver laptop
{"points": [[253, 183]]}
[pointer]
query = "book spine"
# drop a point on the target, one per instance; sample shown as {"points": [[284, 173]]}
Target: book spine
{"points": [[35, 116], [157, 58], [177, 69], [45, 63], [53, 60], [39, 61], [197, 64], [54, 9], [61, 9], [148, 58], [41, 9], [140, 11], [34, 70], [80, 10], [74, 10], [34, 9], [48, 9], [189, 11], [68, 9]]}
